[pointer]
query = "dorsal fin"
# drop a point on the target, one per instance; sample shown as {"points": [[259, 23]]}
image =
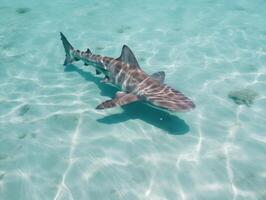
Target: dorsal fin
{"points": [[159, 76], [88, 51], [128, 57]]}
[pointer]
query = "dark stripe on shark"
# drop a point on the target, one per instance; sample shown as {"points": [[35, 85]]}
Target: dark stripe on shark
{"points": [[121, 78], [117, 68]]}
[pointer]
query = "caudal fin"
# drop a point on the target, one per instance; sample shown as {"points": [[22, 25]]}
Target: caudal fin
{"points": [[68, 49]]}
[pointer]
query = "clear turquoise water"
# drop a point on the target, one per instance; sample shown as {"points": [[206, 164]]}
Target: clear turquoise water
{"points": [[55, 145]]}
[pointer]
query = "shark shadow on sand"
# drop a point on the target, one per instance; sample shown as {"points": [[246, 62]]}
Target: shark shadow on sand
{"points": [[137, 110]]}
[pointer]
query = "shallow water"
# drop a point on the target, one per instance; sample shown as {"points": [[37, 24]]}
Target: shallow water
{"points": [[55, 145]]}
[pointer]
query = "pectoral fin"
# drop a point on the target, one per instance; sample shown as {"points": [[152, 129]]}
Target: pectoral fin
{"points": [[120, 99]]}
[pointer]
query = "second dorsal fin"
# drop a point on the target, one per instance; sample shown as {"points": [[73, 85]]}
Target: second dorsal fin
{"points": [[128, 57]]}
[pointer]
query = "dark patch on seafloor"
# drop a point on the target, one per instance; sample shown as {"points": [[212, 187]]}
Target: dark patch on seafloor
{"points": [[99, 48], [3, 156], [3, 7], [2, 176], [138, 110], [142, 59], [23, 110], [243, 96], [22, 136], [33, 135], [23, 10], [123, 29], [239, 8]]}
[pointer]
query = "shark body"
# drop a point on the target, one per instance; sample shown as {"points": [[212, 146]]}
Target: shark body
{"points": [[125, 73]]}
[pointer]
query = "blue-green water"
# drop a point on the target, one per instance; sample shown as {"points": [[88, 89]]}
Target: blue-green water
{"points": [[55, 145]]}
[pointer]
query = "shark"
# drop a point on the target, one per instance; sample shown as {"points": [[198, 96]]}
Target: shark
{"points": [[134, 84]]}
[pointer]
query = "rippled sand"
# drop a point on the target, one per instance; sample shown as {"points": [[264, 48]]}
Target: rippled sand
{"points": [[55, 145]]}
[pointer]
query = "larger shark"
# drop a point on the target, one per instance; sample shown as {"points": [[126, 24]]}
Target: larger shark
{"points": [[125, 73]]}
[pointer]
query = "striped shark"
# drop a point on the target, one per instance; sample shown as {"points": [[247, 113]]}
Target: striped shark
{"points": [[125, 73]]}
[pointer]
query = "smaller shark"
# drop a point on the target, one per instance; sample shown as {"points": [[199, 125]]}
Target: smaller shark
{"points": [[125, 73]]}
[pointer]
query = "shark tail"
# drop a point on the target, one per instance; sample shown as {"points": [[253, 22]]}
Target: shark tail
{"points": [[68, 49]]}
